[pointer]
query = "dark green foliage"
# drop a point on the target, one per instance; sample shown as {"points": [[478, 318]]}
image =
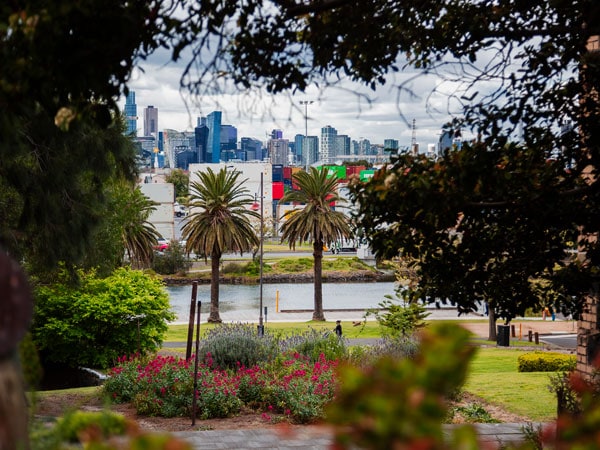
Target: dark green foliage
{"points": [[546, 362], [172, 260], [30, 362], [229, 346], [101, 319]]}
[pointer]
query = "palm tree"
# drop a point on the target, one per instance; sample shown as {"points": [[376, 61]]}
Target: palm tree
{"points": [[317, 222], [219, 223], [139, 236]]}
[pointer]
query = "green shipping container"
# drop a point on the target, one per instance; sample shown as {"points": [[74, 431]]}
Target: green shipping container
{"points": [[336, 171], [366, 175]]}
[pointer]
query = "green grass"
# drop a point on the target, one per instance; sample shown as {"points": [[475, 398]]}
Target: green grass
{"points": [[179, 333], [493, 376]]}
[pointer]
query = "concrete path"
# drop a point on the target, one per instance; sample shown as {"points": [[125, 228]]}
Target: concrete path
{"points": [[491, 435]]}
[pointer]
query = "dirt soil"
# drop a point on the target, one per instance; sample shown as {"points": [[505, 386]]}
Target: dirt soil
{"points": [[55, 405]]}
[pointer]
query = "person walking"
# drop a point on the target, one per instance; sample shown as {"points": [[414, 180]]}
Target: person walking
{"points": [[338, 328]]}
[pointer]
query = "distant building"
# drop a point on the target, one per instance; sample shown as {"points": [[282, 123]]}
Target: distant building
{"points": [[228, 142], [201, 144], [391, 145], [130, 114], [213, 122], [150, 121], [251, 149], [310, 150], [279, 151], [327, 151]]}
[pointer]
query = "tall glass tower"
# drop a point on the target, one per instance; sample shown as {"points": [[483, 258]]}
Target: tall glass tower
{"points": [[131, 114], [213, 121]]}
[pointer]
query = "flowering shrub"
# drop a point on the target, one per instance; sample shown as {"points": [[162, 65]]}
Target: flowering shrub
{"points": [[303, 388], [163, 386], [313, 344]]}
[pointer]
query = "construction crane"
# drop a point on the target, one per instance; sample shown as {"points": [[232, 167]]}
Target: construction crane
{"points": [[414, 146]]}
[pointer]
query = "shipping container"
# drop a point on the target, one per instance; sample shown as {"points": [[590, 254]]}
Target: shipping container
{"points": [[277, 172], [366, 175], [287, 173], [277, 190]]}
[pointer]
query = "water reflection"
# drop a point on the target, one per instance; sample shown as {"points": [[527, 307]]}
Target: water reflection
{"points": [[245, 299]]}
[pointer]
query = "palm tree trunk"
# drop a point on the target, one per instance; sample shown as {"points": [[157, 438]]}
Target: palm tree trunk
{"points": [[215, 262], [318, 272]]}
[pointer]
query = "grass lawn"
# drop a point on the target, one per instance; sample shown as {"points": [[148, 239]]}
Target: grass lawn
{"points": [[493, 376]]}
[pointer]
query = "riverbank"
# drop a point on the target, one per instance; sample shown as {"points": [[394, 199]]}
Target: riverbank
{"points": [[357, 276]]}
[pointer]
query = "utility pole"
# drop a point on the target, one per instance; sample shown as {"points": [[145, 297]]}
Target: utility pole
{"points": [[305, 141]]}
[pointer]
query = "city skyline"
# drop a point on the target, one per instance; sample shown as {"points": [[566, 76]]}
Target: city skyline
{"points": [[344, 108]]}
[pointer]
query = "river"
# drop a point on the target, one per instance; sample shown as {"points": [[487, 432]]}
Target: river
{"points": [[239, 301]]}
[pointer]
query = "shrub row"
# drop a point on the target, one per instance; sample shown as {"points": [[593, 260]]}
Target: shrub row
{"points": [[546, 362]]}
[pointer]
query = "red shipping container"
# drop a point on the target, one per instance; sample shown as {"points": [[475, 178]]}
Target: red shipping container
{"points": [[287, 173], [277, 190]]}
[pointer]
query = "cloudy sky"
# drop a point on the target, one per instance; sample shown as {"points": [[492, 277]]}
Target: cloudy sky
{"points": [[351, 109]]}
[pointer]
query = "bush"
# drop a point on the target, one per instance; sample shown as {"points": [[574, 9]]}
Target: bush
{"points": [[172, 261], [229, 346], [101, 319], [399, 319], [106, 422], [546, 362], [314, 344]]}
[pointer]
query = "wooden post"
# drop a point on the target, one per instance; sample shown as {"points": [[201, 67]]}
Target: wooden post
{"points": [[188, 350], [195, 390], [537, 337], [512, 331], [530, 335]]}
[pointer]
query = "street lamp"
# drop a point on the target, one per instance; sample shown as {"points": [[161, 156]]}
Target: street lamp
{"points": [[261, 327], [305, 143]]}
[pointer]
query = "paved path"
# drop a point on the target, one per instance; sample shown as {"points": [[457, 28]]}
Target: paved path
{"points": [[491, 435]]}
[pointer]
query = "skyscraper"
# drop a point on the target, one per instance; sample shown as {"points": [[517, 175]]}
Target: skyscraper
{"points": [[327, 151], [213, 122], [130, 113], [151, 121]]}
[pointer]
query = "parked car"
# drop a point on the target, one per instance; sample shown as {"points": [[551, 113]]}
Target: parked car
{"points": [[161, 245]]}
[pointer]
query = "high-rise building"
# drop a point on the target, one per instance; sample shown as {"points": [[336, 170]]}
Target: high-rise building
{"points": [[130, 113], [391, 145], [228, 142], [201, 133], [251, 149], [310, 150], [342, 145], [279, 151], [298, 146], [276, 134], [327, 152], [151, 121], [213, 122]]}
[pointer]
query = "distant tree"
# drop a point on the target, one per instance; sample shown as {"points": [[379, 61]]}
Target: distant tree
{"points": [[219, 222], [315, 221], [181, 181]]}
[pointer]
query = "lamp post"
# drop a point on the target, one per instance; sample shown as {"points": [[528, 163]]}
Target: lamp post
{"points": [[305, 143], [261, 327]]}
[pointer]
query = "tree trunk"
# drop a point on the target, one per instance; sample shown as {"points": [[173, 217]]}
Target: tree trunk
{"points": [[13, 408], [318, 272], [492, 336], [215, 262]]}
